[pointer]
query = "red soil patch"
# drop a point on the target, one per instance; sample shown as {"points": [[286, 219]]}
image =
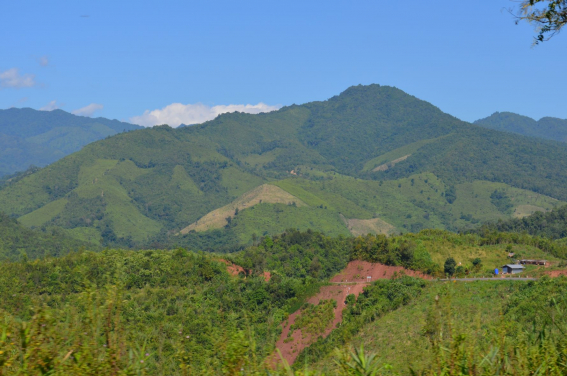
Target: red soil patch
{"points": [[357, 271], [557, 273], [346, 284], [235, 270]]}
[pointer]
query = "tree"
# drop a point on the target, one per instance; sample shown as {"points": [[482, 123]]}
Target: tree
{"points": [[450, 265], [549, 16]]}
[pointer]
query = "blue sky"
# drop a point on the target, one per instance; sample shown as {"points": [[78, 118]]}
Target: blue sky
{"points": [[119, 59]]}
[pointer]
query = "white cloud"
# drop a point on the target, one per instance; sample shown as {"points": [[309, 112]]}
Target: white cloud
{"points": [[50, 106], [12, 78], [176, 114], [88, 110], [43, 61]]}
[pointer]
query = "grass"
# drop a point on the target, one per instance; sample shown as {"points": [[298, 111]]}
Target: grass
{"points": [[44, 214], [275, 218], [86, 234], [238, 182], [398, 153]]}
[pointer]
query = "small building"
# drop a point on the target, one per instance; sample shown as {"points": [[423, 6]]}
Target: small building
{"points": [[533, 262], [513, 268]]}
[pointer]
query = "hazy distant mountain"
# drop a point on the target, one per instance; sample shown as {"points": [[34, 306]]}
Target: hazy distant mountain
{"points": [[548, 128], [372, 159], [31, 137]]}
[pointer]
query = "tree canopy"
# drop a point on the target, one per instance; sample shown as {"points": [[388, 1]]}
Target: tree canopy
{"points": [[549, 16]]}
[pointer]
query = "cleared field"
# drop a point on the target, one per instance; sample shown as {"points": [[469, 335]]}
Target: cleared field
{"points": [[369, 226], [522, 211], [265, 193]]}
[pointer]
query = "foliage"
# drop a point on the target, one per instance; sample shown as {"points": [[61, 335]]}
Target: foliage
{"points": [[449, 266], [20, 243], [398, 251], [552, 224], [36, 138], [140, 188], [546, 127], [549, 16]]}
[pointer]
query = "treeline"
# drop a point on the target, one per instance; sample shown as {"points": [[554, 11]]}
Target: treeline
{"points": [[551, 225], [18, 242]]}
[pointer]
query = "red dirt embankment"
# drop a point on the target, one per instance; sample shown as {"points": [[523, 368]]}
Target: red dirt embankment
{"points": [[351, 280], [358, 271], [556, 273]]}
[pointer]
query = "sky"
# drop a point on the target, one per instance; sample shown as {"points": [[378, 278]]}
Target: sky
{"points": [[154, 62]]}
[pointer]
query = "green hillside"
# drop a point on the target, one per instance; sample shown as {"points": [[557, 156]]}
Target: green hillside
{"points": [[29, 137], [548, 128], [552, 224], [18, 242], [159, 312], [372, 159]]}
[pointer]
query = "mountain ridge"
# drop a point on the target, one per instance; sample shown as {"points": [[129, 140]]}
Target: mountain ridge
{"points": [[547, 127], [31, 137], [143, 187]]}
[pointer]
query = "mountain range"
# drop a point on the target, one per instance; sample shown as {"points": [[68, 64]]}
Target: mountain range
{"points": [[38, 138], [548, 128], [372, 159]]}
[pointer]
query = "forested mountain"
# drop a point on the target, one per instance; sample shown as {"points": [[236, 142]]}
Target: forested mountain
{"points": [[548, 127], [372, 159], [18, 242], [30, 137]]}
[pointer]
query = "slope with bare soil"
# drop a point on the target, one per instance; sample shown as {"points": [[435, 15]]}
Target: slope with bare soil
{"points": [[351, 280]]}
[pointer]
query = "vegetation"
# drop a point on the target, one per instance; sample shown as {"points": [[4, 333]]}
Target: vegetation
{"points": [[548, 128], [549, 16], [551, 225], [180, 312], [139, 189], [37, 138], [20, 243]]}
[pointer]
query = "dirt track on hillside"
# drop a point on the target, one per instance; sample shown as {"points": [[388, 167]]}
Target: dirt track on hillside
{"points": [[351, 280]]}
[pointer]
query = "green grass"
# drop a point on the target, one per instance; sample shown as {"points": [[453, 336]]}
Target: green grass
{"points": [[398, 153], [86, 234], [238, 182], [276, 218], [183, 180], [44, 214]]}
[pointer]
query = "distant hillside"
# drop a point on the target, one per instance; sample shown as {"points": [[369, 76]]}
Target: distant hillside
{"points": [[548, 128], [17, 241], [370, 159], [552, 224], [31, 137]]}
